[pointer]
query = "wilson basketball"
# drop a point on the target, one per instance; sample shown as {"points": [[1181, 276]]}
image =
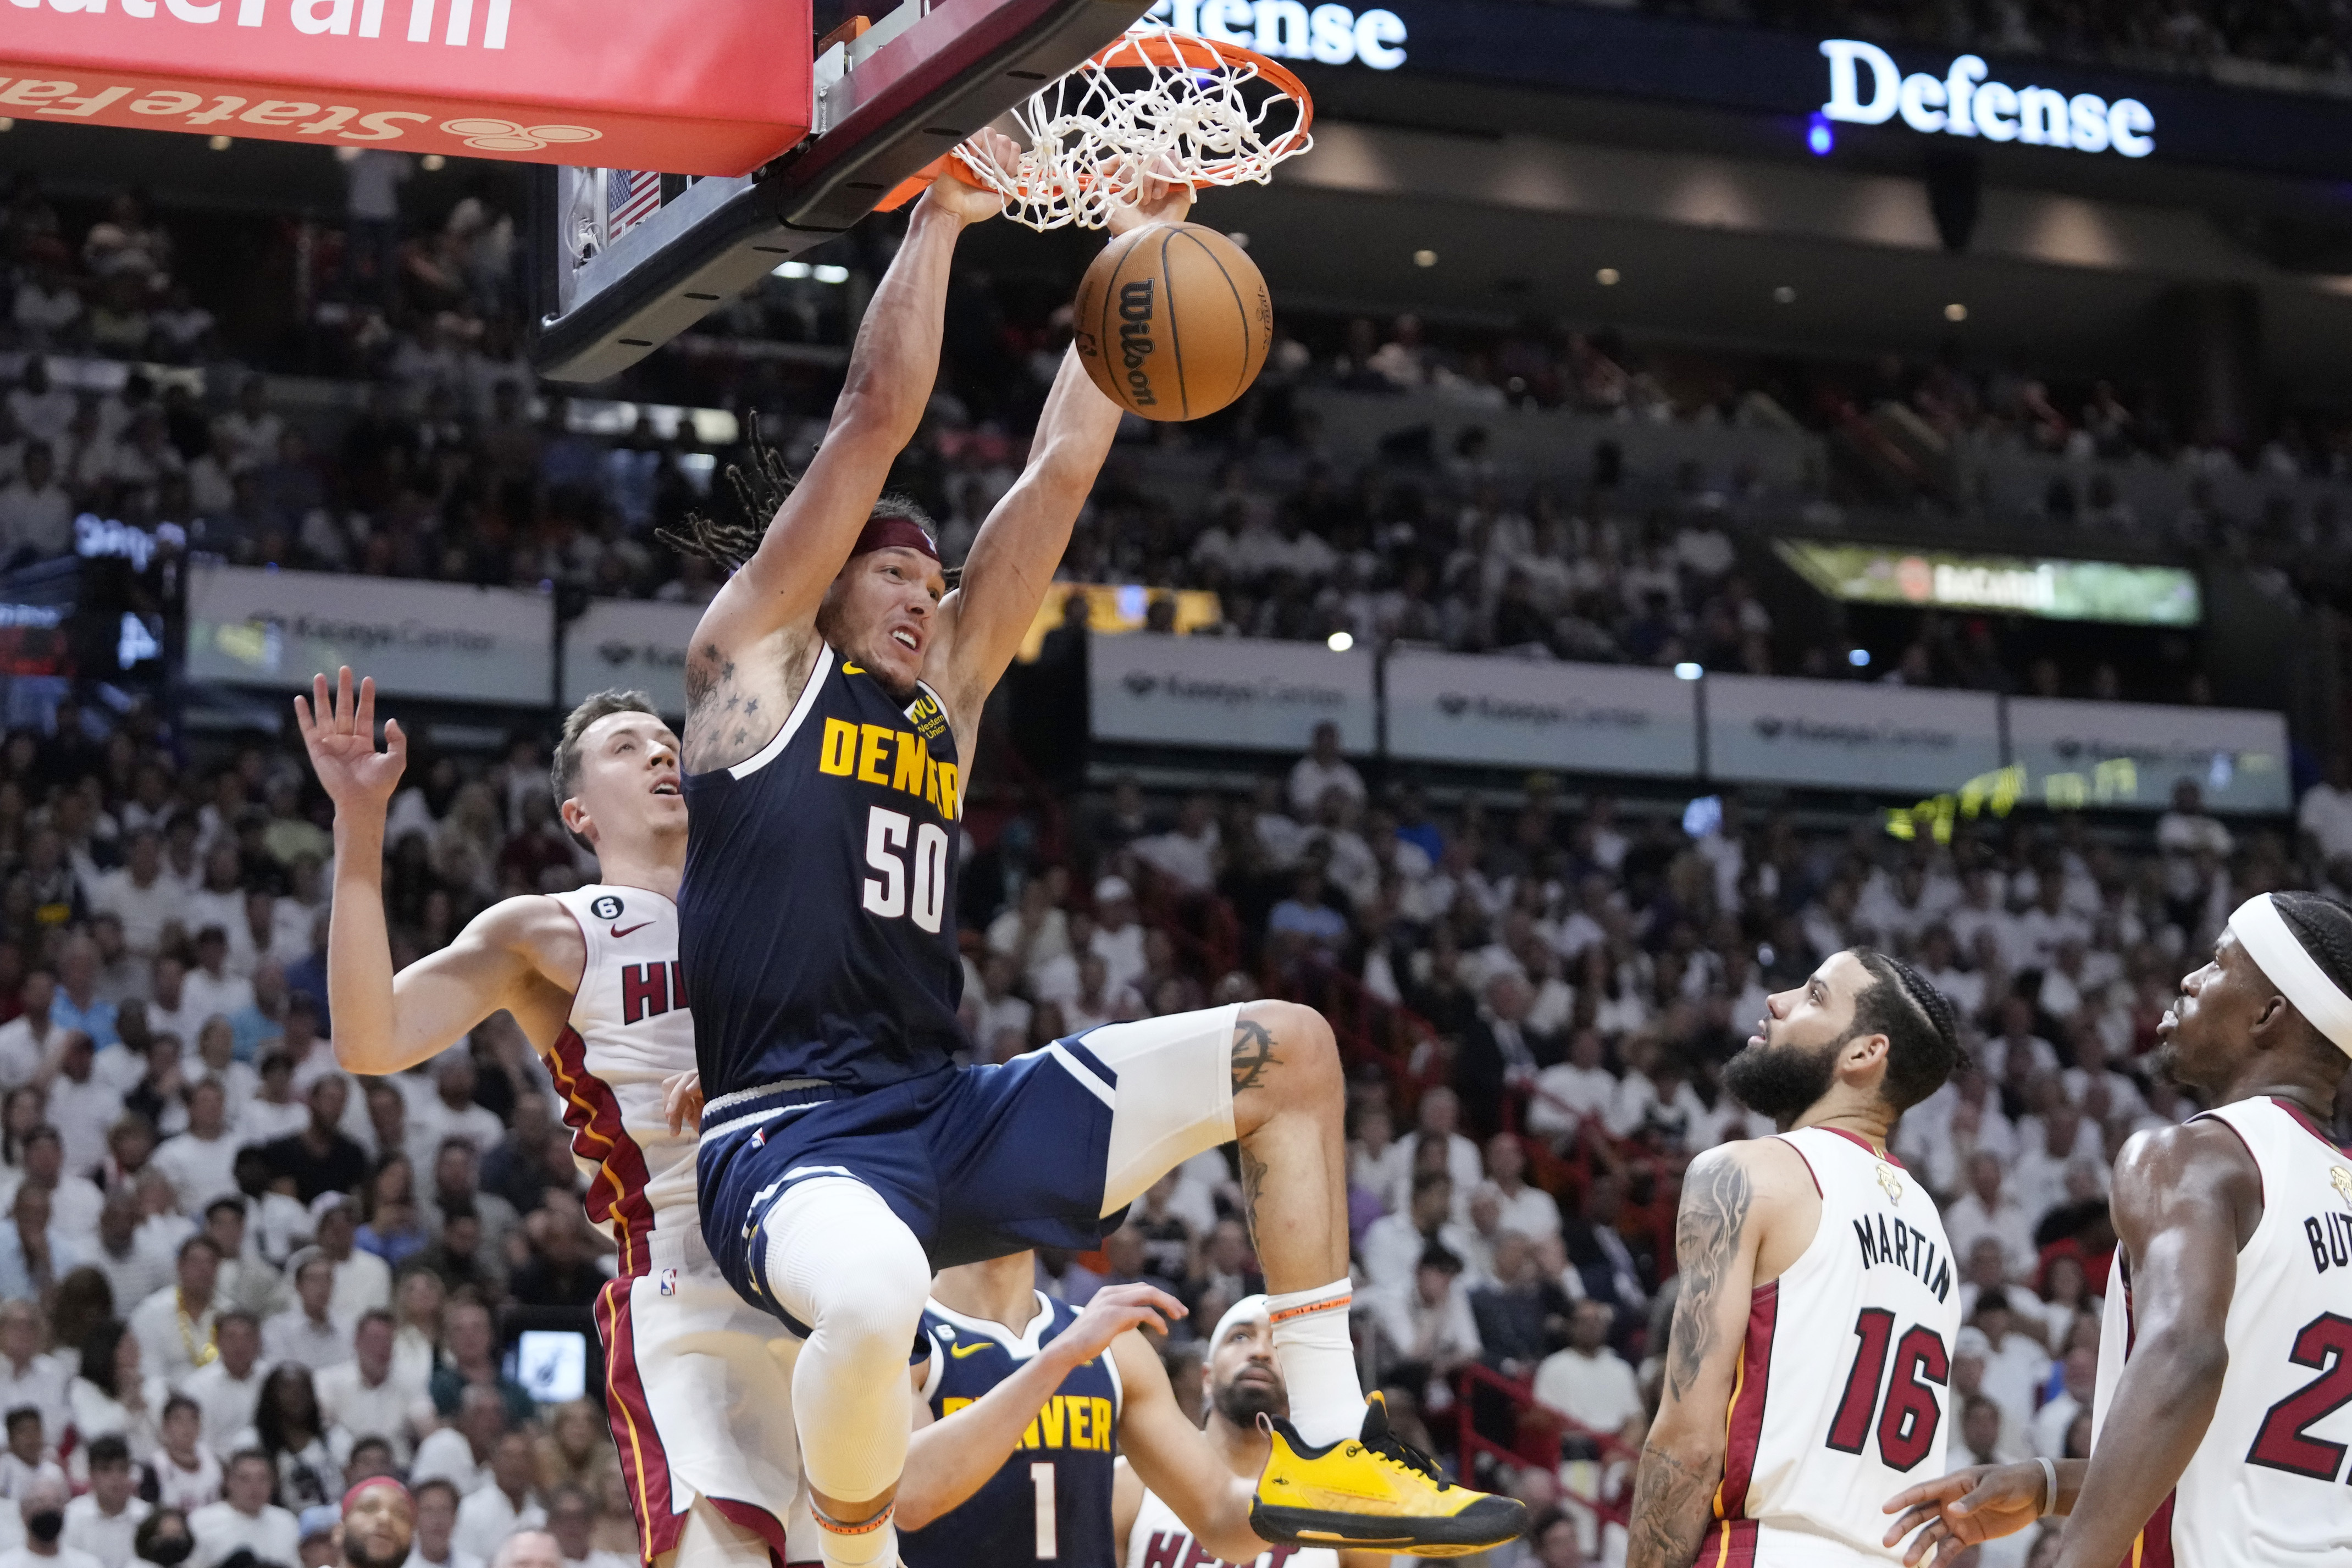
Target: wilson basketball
{"points": [[1174, 321]]}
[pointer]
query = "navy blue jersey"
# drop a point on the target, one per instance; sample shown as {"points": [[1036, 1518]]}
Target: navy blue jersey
{"points": [[1050, 1502], [816, 920]]}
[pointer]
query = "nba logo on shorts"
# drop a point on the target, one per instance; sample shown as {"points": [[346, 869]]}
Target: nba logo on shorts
{"points": [[669, 1281]]}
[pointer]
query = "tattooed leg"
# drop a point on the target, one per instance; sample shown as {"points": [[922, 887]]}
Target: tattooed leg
{"points": [[1288, 1111]]}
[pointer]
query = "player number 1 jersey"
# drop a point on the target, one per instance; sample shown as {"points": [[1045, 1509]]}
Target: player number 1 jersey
{"points": [[1839, 1400]]}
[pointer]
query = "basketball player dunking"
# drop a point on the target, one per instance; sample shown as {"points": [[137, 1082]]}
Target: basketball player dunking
{"points": [[2224, 1405], [1818, 1299], [834, 690], [699, 1406]]}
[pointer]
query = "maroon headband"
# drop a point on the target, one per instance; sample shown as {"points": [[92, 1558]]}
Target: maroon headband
{"points": [[376, 1481], [894, 533]]}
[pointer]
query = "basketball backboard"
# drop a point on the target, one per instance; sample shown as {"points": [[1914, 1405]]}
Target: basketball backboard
{"points": [[628, 260]]}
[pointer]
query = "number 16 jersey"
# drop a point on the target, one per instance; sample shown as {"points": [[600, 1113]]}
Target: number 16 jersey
{"points": [[1839, 1398], [817, 913]]}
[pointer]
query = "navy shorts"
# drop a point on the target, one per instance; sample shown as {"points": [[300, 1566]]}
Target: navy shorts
{"points": [[979, 1161]]}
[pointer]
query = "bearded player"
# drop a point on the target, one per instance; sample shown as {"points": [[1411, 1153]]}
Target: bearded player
{"points": [[699, 1405], [378, 1525], [1812, 1336], [1244, 1383], [2221, 1422], [833, 691]]}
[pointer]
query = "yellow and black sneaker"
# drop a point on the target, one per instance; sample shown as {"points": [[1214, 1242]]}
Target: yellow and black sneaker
{"points": [[1375, 1493]]}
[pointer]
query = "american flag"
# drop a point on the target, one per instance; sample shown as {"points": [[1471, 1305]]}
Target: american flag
{"points": [[631, 196]]}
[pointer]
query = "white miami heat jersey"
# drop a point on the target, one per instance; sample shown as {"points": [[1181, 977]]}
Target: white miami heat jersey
{"points": [[1841, 1395], [2266, 1489], [628, 1032], [1160, 1539]]}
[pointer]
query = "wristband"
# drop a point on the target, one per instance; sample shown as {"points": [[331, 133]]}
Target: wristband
{"points": [[2049, 1486]]}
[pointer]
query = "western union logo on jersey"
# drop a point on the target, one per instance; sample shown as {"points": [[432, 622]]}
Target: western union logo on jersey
{"points": [[894, 758], [926, 714], [1068, 1421]]}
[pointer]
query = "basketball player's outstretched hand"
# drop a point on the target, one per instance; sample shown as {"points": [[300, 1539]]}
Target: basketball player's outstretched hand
{"points": [[1111, 1311], [973, 203], [338, 731], [1983, 1502], [682, 1099]]}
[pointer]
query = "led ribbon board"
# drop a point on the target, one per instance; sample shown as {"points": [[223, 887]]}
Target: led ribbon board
{"points": [[2050, 590]]}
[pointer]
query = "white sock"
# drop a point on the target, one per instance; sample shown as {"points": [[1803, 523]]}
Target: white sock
{"points": [[871, 1545], [1318, 1362]]}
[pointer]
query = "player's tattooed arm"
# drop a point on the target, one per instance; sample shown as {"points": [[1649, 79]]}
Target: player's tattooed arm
{"points": [[733, 697], [1715, 1249], [1707, 1237]]}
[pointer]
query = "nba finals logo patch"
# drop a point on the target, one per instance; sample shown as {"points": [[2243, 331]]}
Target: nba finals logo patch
{"points": [[2341, 1180], [1891, 1182], [669, 1281]]}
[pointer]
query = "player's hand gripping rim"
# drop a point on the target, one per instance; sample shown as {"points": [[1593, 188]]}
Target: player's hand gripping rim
{"points": [[1980, 1503], [963, 198]]}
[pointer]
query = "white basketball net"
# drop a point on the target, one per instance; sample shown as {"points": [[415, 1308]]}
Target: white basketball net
{"points": [[1157, 102]]}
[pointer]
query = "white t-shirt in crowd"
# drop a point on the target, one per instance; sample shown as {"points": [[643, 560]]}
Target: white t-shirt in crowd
{"points": [[1598, 1391], [487, 1516], [446, 1455], [273, 1534], [107, 1537]]}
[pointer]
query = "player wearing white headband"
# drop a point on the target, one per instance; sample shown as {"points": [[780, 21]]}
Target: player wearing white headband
{"points": [[2224, 1413], [1245, 1382]]}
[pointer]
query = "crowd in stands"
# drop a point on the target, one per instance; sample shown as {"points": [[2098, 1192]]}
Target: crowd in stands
{"points": [[447, 460], [1543, 996], [454, 467], [238, 1279]]}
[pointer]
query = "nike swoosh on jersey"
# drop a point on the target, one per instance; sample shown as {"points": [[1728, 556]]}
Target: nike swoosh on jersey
{"points": [[849, 669], [618, 933], [960, 1351]]}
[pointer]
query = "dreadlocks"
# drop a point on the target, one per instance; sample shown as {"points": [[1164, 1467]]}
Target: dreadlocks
{"points": [[761, 486]]}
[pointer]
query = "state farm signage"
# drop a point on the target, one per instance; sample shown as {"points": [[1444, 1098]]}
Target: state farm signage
{"points": [[1867, 88], [621, 82]]}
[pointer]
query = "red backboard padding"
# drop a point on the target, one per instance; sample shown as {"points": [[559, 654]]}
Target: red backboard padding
{"points": [[714, 87]]}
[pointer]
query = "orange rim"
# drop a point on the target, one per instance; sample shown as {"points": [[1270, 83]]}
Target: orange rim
{"points": [[1174, 51]]}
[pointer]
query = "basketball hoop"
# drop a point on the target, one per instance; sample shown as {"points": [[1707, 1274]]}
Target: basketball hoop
{"points": [[1191, 111]]}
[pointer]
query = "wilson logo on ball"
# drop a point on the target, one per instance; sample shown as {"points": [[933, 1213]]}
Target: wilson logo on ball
{"points": [[1172, 321], [1135, 338]]}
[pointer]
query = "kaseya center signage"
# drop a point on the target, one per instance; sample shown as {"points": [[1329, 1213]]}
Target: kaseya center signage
{"points": [[1867, 88]]}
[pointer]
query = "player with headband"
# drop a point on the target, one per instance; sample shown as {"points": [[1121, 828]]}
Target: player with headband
{"points": [[701, 1408], [378, 1524], [1246, 1398], [835, 687], [2221, 1425]]}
